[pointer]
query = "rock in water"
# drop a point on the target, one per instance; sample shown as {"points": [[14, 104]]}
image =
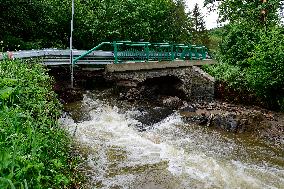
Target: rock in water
{"points": [[172, 102], [188, 108], [188, 111]]}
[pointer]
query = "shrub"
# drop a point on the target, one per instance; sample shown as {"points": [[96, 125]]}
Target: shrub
{"points": [[238, 44], [266, 71], [34, 150], [253, 62]]}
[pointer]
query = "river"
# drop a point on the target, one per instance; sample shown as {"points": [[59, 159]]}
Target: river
{"points": [[140, 146]]}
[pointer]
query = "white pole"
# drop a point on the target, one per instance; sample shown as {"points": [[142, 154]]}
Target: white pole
{"points": [[71, 47]]}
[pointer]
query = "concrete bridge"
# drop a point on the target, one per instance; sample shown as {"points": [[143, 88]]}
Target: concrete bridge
{"points": [[132, 64]]}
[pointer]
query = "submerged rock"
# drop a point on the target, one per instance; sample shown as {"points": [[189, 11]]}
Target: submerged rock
{"points": [[237, 123], [70, 95], [188, 108]]}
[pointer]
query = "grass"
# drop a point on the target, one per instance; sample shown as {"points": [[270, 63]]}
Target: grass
{"points": [[34, 150]]}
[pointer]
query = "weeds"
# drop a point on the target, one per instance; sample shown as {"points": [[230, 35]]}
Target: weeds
{"points": [[34, 150]]}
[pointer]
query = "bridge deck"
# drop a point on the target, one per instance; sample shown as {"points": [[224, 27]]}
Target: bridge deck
{"points": [[156, 65]]}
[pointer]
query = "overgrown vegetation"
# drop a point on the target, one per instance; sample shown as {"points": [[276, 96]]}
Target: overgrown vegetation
{"points": [[34, 150], [251, 51], [46, 23]]}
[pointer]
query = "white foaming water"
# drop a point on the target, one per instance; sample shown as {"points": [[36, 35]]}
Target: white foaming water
{"points": [[166, 156]]}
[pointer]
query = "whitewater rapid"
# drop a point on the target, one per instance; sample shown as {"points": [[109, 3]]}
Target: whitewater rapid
{"points": [[167, 154]]}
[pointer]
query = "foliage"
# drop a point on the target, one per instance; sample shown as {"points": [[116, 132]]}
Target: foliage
{"points": [[150, 20], [238, 44], [27, 24], [257, 67], [251, 50], [215, 38], [200, 34], [226, 72], [47, 22], [33, 149], [249, 12], [266, 71]]}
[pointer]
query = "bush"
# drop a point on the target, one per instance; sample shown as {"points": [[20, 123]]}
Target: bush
{"points": [[253, 61], [226, 72], [266, 71], [238, 43], [34, 150]]}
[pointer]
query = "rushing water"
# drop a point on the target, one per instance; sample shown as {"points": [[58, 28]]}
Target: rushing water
{"points": [[144, 147]]}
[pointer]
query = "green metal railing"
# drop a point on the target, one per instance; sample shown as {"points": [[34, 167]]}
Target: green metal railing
{"points": [[90, 51], [127, 51]]}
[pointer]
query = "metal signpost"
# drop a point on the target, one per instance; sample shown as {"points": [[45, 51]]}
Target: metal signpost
{"points": [[71, 47]]}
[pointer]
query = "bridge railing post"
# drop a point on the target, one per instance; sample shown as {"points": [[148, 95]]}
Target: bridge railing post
{"points": [[204, 52], [115, 52], [190, 51], [147, 52], [172, 53]]}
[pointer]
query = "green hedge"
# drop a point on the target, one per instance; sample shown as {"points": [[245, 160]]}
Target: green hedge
{"points": [[34, 150]]}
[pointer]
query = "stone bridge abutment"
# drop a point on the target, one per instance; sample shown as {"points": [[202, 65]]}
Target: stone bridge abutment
{"points": [[189, 82]]}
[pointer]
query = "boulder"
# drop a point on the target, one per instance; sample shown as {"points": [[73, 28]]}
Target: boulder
{"points": [[227, 122], [172, 102]]}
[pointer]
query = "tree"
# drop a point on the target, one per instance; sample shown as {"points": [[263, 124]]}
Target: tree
{"points": [[27, 24], [266, 71], [151, 20], [252, 46], [181, 23], [250, 12], [200, 34], [245, 27]]}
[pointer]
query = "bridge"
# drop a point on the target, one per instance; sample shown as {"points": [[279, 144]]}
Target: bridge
{"points": [[130, 63], [115, 53]]}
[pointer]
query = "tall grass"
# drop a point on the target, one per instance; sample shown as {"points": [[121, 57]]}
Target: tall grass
{"points": [[34, 150]]}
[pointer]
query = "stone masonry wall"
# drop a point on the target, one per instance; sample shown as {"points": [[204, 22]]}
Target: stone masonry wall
{"points": [[196, 84]]}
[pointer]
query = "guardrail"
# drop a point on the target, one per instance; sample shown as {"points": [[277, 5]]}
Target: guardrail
{"points": [[114, 53], [61, 57]]}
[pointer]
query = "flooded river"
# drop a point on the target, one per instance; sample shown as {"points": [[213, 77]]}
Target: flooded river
{"points": [[145, 147]]}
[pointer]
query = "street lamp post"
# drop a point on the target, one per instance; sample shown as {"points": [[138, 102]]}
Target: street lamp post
{"points": [[71, 47]]}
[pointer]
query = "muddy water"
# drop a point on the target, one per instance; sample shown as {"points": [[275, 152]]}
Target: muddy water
{"points": [[139, 146]]}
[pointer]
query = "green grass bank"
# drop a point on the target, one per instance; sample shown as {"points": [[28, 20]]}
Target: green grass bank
{"points": [[34, 150]]}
